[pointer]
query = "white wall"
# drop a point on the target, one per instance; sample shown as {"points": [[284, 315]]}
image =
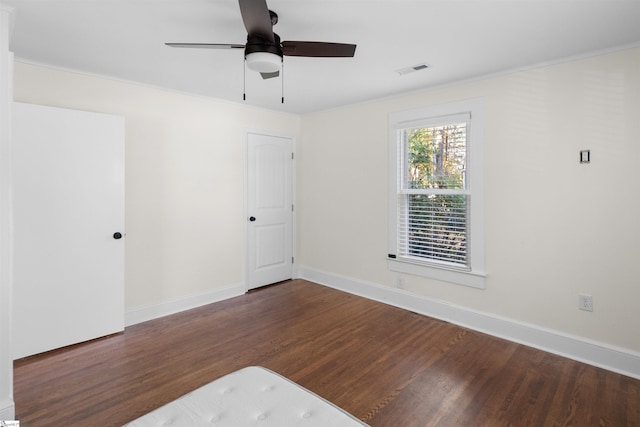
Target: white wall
{"points": [[554, 228], [184, 155]]}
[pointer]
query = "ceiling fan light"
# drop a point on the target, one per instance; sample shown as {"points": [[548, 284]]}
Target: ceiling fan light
{"points": [[263, 62]]}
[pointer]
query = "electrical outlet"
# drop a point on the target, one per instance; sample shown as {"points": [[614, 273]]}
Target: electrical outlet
{"points": [[585, 302], [400, 282]]}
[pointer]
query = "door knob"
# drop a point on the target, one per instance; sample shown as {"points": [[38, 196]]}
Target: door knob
{"points": [[252, 218], [117, 236]]}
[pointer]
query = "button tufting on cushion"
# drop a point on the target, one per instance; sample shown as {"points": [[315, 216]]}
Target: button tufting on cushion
{"points": [[249, 397]]}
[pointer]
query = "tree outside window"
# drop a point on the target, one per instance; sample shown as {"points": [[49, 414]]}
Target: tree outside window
{"points": [[436, 192], [436, 217]]}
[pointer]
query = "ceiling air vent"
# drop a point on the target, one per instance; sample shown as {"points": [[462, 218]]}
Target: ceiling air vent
{"points": [[412, 69]]}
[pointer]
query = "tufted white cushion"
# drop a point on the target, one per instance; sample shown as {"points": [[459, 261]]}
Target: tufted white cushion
{"points": [[252, 396]]}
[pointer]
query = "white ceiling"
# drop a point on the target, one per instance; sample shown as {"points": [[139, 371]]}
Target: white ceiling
{"points": [[458, 39]]}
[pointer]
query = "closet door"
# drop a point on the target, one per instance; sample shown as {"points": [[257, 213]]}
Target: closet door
{"points": [[68, 216], [270, 209]]}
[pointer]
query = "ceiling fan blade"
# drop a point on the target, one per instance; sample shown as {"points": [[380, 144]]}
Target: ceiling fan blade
{"points": [[206, 45], [256, 18], [318, 49], [266, 76]]}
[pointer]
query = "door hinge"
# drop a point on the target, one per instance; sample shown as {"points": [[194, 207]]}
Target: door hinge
{"points": [[291, 156], [292, 208], [292, 260]]}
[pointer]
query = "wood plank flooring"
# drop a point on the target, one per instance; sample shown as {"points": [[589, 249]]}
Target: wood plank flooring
{"points": [[386, 366]]}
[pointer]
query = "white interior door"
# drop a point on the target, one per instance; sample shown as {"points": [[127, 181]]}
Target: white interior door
{"points": [[269, 209], [68, 180]]}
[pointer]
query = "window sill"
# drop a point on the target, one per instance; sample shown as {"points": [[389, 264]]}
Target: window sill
{"points": [[465, 278]]}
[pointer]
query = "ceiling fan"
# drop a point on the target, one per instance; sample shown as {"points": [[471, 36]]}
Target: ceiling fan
{"points": [[264, 51]]}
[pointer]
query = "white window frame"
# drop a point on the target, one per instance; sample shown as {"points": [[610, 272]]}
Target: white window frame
{"points": [[475, 275]]}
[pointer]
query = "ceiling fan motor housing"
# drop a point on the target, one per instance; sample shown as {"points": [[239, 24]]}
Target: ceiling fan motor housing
{"points": [[263, 55], [257, 43]]}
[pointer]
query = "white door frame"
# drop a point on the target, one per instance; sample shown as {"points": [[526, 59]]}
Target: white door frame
{"points": [[7, 405], [246, 202]]}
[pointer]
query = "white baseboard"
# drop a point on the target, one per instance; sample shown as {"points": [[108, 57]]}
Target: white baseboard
{"points": [[620, 360], [142, 314], [7, 410]]}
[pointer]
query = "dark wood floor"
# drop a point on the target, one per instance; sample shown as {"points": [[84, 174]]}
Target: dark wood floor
{"points": [[386, 366]]}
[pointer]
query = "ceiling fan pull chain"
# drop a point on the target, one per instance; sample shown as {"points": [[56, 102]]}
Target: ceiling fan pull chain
{"points": [[282, 82], [244, 79]]}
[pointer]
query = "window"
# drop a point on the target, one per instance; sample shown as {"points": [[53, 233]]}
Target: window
{"points": [[436, 192]]}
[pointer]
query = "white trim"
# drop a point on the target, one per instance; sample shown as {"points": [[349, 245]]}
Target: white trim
{"points": [[150, 312], [149, 86], [473, 279], [7, 410], [426, 90], [417, 121], [11, 11], [409, 92], [606, 356], [7, 406], [473, 111]]}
